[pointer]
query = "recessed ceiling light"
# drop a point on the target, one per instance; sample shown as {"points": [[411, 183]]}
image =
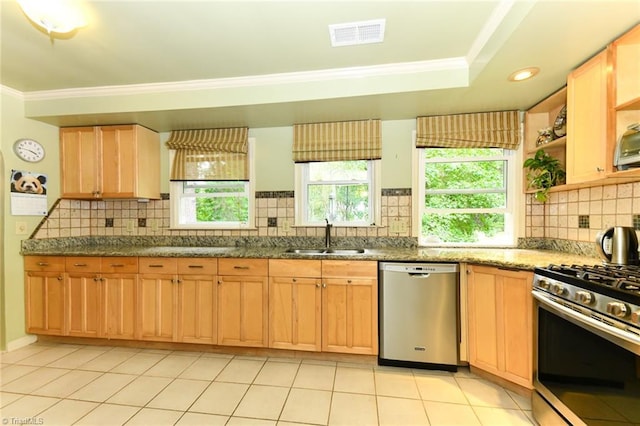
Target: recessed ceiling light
{"points": [[524, 74], [363, 32]]}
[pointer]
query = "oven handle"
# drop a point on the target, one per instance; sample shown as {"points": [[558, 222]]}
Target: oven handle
{"points": [[586, 320]]}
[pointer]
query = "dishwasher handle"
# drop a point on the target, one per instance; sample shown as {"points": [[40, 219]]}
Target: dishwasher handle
{"points": [[419, 274]]}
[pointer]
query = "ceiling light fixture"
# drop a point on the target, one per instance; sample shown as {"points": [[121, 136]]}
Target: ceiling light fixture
{"points": [[524, 74], [55, 16]]}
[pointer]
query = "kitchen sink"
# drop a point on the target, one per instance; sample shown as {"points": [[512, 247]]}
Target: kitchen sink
{"points": [[345, 251], [335, 251], [306, 251]]}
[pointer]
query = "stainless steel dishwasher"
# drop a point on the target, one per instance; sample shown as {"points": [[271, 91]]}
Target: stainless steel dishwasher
{"points": [[419, 320]]}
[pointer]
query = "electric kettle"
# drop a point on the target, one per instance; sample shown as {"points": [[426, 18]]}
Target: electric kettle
{"points": [[618, 245]]}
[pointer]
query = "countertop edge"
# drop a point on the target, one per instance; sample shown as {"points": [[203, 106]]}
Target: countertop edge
{"points": [[524, 259]]}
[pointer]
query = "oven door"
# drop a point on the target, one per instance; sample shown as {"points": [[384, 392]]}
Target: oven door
{"points": [[587, 370]]}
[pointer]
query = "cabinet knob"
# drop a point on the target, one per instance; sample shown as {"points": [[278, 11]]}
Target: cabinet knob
{"points": [[324, 285], [60, 278], [318, 285]]}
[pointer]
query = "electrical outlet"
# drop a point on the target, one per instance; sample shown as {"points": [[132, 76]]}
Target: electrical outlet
{"points": [[21, 228], [129, 224], [154, 224], [286, 226], [395, 226]]}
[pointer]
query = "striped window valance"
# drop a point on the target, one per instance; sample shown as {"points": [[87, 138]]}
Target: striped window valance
{"points": [[499, 129], [337, 141], [209, 154]]}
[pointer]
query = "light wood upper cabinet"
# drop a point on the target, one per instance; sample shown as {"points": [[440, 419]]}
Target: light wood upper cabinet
{"points": [[589, 149], [295, 303], [350, 306], [110, 162], [243, 302], [626, 59], [500, 311]]}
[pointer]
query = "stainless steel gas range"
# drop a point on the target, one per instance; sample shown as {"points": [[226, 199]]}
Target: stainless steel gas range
{"points": [[587, 356]]}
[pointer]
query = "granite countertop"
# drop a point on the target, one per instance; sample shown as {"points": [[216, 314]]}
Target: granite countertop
{"points": [[525, 259]]}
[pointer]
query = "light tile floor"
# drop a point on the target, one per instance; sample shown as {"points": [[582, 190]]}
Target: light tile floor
{"points": [[62, 384]]}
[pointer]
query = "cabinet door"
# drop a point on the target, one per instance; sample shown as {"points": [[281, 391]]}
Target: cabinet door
{"points": [[588, 156], [79, 166], [197, 312], [517, 313], [157, 306], [45, 303], [84, 304], [243, 311], [118, 161], [295, 320], [500, 323], [349, 315], [483, 318], [119, 307]]}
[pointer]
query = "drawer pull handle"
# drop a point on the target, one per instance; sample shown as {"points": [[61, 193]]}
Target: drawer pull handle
{"points": [[43, 263], [117, 265], [79, 264], [196, 266], [241, 267], [156, 266]]}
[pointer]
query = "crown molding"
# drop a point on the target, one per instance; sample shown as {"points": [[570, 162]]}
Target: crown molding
{"points": [[388, 70], [6, 90]]}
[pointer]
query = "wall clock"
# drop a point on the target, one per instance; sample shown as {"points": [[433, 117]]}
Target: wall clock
{"points": [[29, 150]]}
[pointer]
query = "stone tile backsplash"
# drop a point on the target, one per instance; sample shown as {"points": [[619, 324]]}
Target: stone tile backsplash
{"points": [[579, 214], [75, 218]]}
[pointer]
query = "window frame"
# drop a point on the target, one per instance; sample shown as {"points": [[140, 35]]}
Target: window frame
{"points": [[512, 182], [176, 195], [300, 196]]}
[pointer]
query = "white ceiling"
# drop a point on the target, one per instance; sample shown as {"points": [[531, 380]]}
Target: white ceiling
{"points": [[195, 64]]}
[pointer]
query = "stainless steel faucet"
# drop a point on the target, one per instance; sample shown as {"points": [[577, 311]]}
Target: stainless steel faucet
{"points": [[327, 234]]}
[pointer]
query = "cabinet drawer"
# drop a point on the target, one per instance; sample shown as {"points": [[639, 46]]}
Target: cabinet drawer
{"points": [[158, 265], [349, 268], [295, 268], [44, 263], [195, 265], [82, 264], [120, 264], [258, 267]]}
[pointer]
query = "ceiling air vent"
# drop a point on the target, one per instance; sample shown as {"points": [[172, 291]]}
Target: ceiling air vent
{"points": [[357, 33]]}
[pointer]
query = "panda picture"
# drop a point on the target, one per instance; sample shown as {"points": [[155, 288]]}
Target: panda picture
{"points": [[27, 183]]}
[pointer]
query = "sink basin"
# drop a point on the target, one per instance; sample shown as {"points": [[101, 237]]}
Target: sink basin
{"points": [[306, 251], [325, 251], [344, 251]]}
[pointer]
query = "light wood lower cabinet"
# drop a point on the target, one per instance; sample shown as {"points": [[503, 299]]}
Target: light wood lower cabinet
{"points": [[310, 305], [45, 295], [500, 322], [198, 300], [350, 306], [243, 297], [119, 309], [178, 298], [295, 304]]}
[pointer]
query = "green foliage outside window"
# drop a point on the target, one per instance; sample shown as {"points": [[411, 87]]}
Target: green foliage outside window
{"points": [[227, 201], [336, 191], [464, 185]]}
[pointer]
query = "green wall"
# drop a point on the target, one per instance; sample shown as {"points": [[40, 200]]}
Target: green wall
{"points": [[274, 172], [13, 126]]}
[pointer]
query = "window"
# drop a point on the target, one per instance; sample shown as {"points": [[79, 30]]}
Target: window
{"points": [[466, 196], [213, 204], [344, 192]]}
